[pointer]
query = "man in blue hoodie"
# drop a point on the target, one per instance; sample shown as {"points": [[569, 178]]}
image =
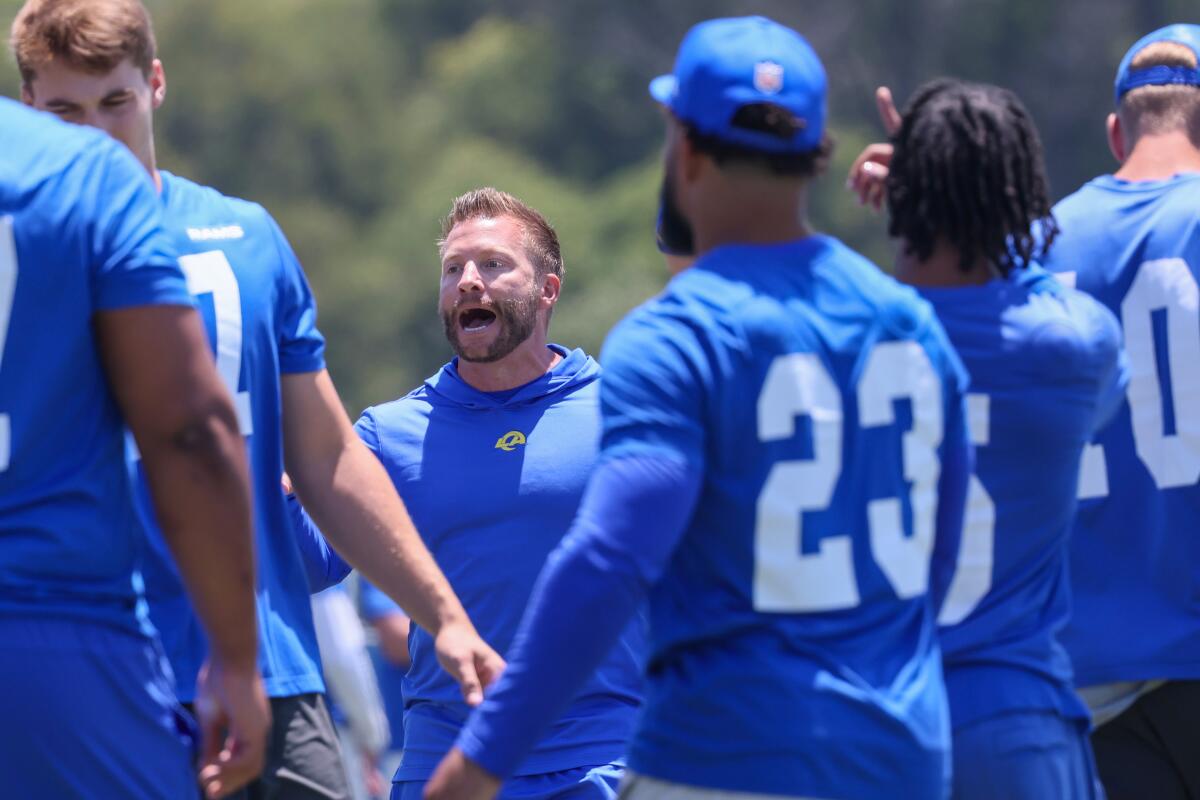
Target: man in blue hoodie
{"points": [[491, 455]]}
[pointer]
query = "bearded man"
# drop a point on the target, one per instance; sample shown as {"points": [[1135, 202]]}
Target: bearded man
{"points": [[491, 456]]}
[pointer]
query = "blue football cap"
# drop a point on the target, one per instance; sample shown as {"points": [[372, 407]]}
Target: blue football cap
{"points": [[1186, 35], [725, 64]]}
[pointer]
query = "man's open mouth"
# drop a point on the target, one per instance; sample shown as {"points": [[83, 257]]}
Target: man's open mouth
{"points": [[474, 320]]}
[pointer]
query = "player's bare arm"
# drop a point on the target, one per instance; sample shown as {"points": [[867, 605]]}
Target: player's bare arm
{"points": [[353, 501], [158, 365]]}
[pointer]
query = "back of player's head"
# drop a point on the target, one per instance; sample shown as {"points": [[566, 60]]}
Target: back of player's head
{"points": [[541, 242], [749, 91], [89, 35], [1158, 84], [968, 170]]}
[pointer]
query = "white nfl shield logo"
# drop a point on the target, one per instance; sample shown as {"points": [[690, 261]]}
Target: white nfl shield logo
{"points": [[768, 77]]}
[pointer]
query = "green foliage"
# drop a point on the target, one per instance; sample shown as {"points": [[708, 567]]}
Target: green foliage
{"points": [[357, 121]]}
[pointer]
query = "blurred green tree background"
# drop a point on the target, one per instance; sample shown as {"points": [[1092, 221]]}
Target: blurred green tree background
{"points": [[357, 121]]}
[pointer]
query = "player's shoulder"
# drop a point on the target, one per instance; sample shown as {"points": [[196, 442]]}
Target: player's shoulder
{"points": [[857, 293], [897, 307], [1106, 194], [818, 267], [678, 317], [415, 404], [209, 215], [39, 149], [28, 134], [393, 428], [1079, 203], [1066, 331]]}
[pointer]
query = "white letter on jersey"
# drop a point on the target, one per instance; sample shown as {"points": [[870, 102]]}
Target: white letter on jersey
{"points": [[1165, 284], [786, 580], [211, 272], [895, 370]]}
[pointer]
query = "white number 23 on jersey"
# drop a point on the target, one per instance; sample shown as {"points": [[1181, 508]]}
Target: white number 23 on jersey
{"points": [[788, 580]]}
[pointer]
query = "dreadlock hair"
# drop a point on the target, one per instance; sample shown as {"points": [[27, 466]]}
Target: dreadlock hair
{"points": [[773, 120], [968, 168]]}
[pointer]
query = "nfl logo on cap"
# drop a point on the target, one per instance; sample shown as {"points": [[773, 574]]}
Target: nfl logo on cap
{"points": [[725, 65], [768, 77]]}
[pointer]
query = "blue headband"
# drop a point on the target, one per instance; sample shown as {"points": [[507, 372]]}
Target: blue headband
{"points": [[1158, 76], [1180, 34]]}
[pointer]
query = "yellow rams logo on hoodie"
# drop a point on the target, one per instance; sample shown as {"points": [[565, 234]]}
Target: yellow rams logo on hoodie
{"points": [[510, 441]]}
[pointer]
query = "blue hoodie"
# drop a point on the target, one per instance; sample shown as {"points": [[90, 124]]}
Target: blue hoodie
{"points": [[492, 481]]}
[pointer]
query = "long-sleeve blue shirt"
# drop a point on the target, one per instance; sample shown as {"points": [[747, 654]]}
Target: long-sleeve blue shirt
{"points": [[492, 482], [783, 470]]}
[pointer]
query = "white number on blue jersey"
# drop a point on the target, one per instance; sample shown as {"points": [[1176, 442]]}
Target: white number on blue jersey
{"points": [[1165, 285], [895, 370], [973, 572], [787, 580], [1168, 285], [211, 273], [8, 291], [784, 578]]}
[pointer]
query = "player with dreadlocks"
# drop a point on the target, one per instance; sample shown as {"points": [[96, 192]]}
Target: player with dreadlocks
{"points": [[967, 196], [968, 169]]}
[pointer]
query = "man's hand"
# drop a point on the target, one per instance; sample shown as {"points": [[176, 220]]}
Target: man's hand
{"points": [[868, 173], [460, 778], [234, 718], [350, 496], [468, 659]]}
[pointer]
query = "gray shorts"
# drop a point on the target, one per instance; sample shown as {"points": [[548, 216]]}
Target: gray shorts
{"points": [[643, 787], [303, 759]]}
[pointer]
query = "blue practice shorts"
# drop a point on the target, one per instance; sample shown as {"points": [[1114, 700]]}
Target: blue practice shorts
{"points": [[89, 712], [1026, 755], [584, 783]]}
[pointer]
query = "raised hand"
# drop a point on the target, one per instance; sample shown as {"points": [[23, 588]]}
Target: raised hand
{"points": [[868, 173]]}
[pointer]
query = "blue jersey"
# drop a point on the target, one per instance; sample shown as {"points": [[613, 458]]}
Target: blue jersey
{"points": [[1135, 555], [492, 482], [1045, 373], [261, 321], [79, 234], [792, 632]]}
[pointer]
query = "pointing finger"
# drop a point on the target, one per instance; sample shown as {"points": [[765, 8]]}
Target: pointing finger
{"points": [[887, 110]]}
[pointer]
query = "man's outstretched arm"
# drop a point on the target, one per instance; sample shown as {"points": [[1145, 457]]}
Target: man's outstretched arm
{"points": [[352, 500]]}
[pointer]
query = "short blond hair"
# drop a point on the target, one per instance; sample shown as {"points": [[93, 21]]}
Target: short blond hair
{"points": [[1150, 110], [93, 36]]}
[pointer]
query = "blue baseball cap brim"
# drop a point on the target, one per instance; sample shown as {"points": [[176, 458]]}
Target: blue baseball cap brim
{"points": [[724, 65], [1128, 79], [663, 89]]}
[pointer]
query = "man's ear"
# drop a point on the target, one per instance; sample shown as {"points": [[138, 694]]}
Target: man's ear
{"points": [[551, 286], [158, 84], [1116, 138]]}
